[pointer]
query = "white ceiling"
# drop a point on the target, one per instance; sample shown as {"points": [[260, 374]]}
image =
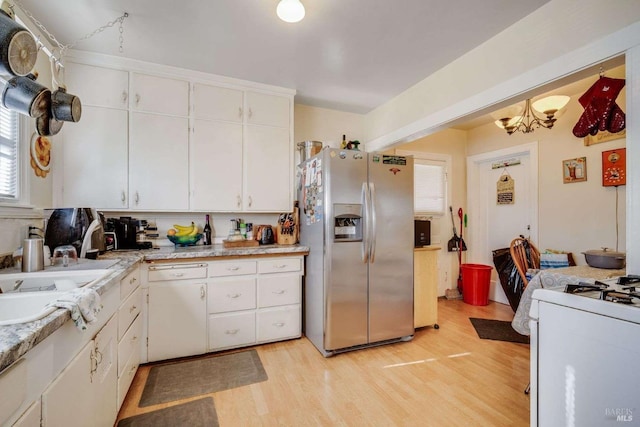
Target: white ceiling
{"points": [[349, 55]]}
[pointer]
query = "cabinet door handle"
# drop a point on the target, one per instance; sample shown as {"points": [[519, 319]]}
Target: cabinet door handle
{"points": [[250, 113], [280, 266], [203, 294], [231, 331], [178, 274], [137, 98], [250, 201], [94, 364], [278, 324], [134, 338], [132, 309], [240, 112], [132, 281], [123, 197], [234, 295], [236, 268], [124, 96], [239, 201], [137, 198], [280, 292], [133, 370]]}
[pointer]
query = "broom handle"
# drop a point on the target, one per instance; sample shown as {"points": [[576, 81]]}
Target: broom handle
{"points": [[455, 232]]}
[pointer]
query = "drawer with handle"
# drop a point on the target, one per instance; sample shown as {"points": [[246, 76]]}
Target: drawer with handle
{"points": [[232, 294], [274, 290], [129, 283], [232, 330], [232, 268], [279, 323], [128, 311], [280, 265], [158, 273], [129, 343]]}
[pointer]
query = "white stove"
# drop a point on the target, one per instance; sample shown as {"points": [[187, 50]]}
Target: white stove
{"points": [[584, 338]]}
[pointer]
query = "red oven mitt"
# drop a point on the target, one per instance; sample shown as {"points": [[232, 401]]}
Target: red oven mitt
{"points": [[599, 108]]}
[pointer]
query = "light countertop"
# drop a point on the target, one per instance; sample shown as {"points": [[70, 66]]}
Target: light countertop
{"points": [[16, 340]]}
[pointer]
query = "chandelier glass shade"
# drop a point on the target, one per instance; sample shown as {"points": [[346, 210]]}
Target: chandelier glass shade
{"points": [[290, 10], [528, 121]]}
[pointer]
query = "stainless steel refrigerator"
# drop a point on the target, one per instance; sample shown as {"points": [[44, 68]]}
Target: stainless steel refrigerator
{"points": [[356, 216]]}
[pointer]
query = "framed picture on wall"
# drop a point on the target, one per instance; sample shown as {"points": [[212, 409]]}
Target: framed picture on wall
{"points": [[574, 170]]}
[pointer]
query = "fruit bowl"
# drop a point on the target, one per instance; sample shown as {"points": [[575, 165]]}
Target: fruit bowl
{"points": [[188, 240]]}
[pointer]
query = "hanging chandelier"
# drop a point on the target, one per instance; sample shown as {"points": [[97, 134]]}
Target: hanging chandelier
{"points": [[528, 121]]}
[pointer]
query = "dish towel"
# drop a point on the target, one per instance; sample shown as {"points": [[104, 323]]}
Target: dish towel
{"points": [[83, 303]]}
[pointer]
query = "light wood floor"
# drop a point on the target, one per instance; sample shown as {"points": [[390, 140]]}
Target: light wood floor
{"points": [[443, 377]]}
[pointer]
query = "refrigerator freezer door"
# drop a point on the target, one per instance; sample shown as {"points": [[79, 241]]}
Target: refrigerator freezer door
{"points": [[391, 265], [346, 297]]}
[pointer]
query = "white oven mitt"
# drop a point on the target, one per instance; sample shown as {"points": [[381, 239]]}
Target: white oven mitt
{"points": [[83, 303]]}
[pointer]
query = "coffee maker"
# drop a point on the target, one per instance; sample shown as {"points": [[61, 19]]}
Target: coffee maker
{"points": [[80, 227], [129, 233]]}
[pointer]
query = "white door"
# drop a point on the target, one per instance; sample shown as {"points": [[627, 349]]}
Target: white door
{"points": [[69, 400], [159, 162], [491, 225], [216, 166], [177, 320], [105, 376], [267, 169], [95, 160], [159, 95]]}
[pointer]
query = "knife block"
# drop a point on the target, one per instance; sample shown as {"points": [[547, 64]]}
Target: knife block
{"points": [[289, 239]]}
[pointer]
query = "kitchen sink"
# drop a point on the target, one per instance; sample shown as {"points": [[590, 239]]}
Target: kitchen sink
{"points": [[49, 280], [35, 290], [21, 307]]}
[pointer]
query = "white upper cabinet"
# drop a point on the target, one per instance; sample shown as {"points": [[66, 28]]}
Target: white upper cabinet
{"points": [[159, 95], [95, 171], [269, 110], [97, 86], [151, 143], [216, 166], [250, 154], [158, 162], [217, 103], [268, 174]]}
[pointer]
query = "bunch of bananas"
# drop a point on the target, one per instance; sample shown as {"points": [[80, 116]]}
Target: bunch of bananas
{"points": [[183, 231]]}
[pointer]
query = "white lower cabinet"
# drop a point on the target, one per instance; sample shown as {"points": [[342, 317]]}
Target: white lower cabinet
{"points": [[85, 392], [129, 332], [232, 330], [253, 302], [278, 323], [177, 324], [31, 417], [198, 307]]}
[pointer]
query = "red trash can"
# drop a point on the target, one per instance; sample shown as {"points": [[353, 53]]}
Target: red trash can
{"points": [[476, 279]]}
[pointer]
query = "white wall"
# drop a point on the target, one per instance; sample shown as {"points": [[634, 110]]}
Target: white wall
{"points": [[327, 126], [551, 42], [453, 143]]}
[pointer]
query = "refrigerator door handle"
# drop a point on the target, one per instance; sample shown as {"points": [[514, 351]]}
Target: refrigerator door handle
{"points": [[365, 224], [373, 232]]}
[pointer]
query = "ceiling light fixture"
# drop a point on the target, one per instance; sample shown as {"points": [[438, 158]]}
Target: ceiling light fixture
{"points": [[290, 10], [528, 121]]}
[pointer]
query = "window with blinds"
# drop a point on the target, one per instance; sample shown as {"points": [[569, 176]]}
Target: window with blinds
{"points": [[429, 187], [8, 154]]}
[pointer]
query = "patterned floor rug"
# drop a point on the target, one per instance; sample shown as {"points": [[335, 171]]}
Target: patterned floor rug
{"points": [[203, 375], [497, 330], [197, 413]]}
